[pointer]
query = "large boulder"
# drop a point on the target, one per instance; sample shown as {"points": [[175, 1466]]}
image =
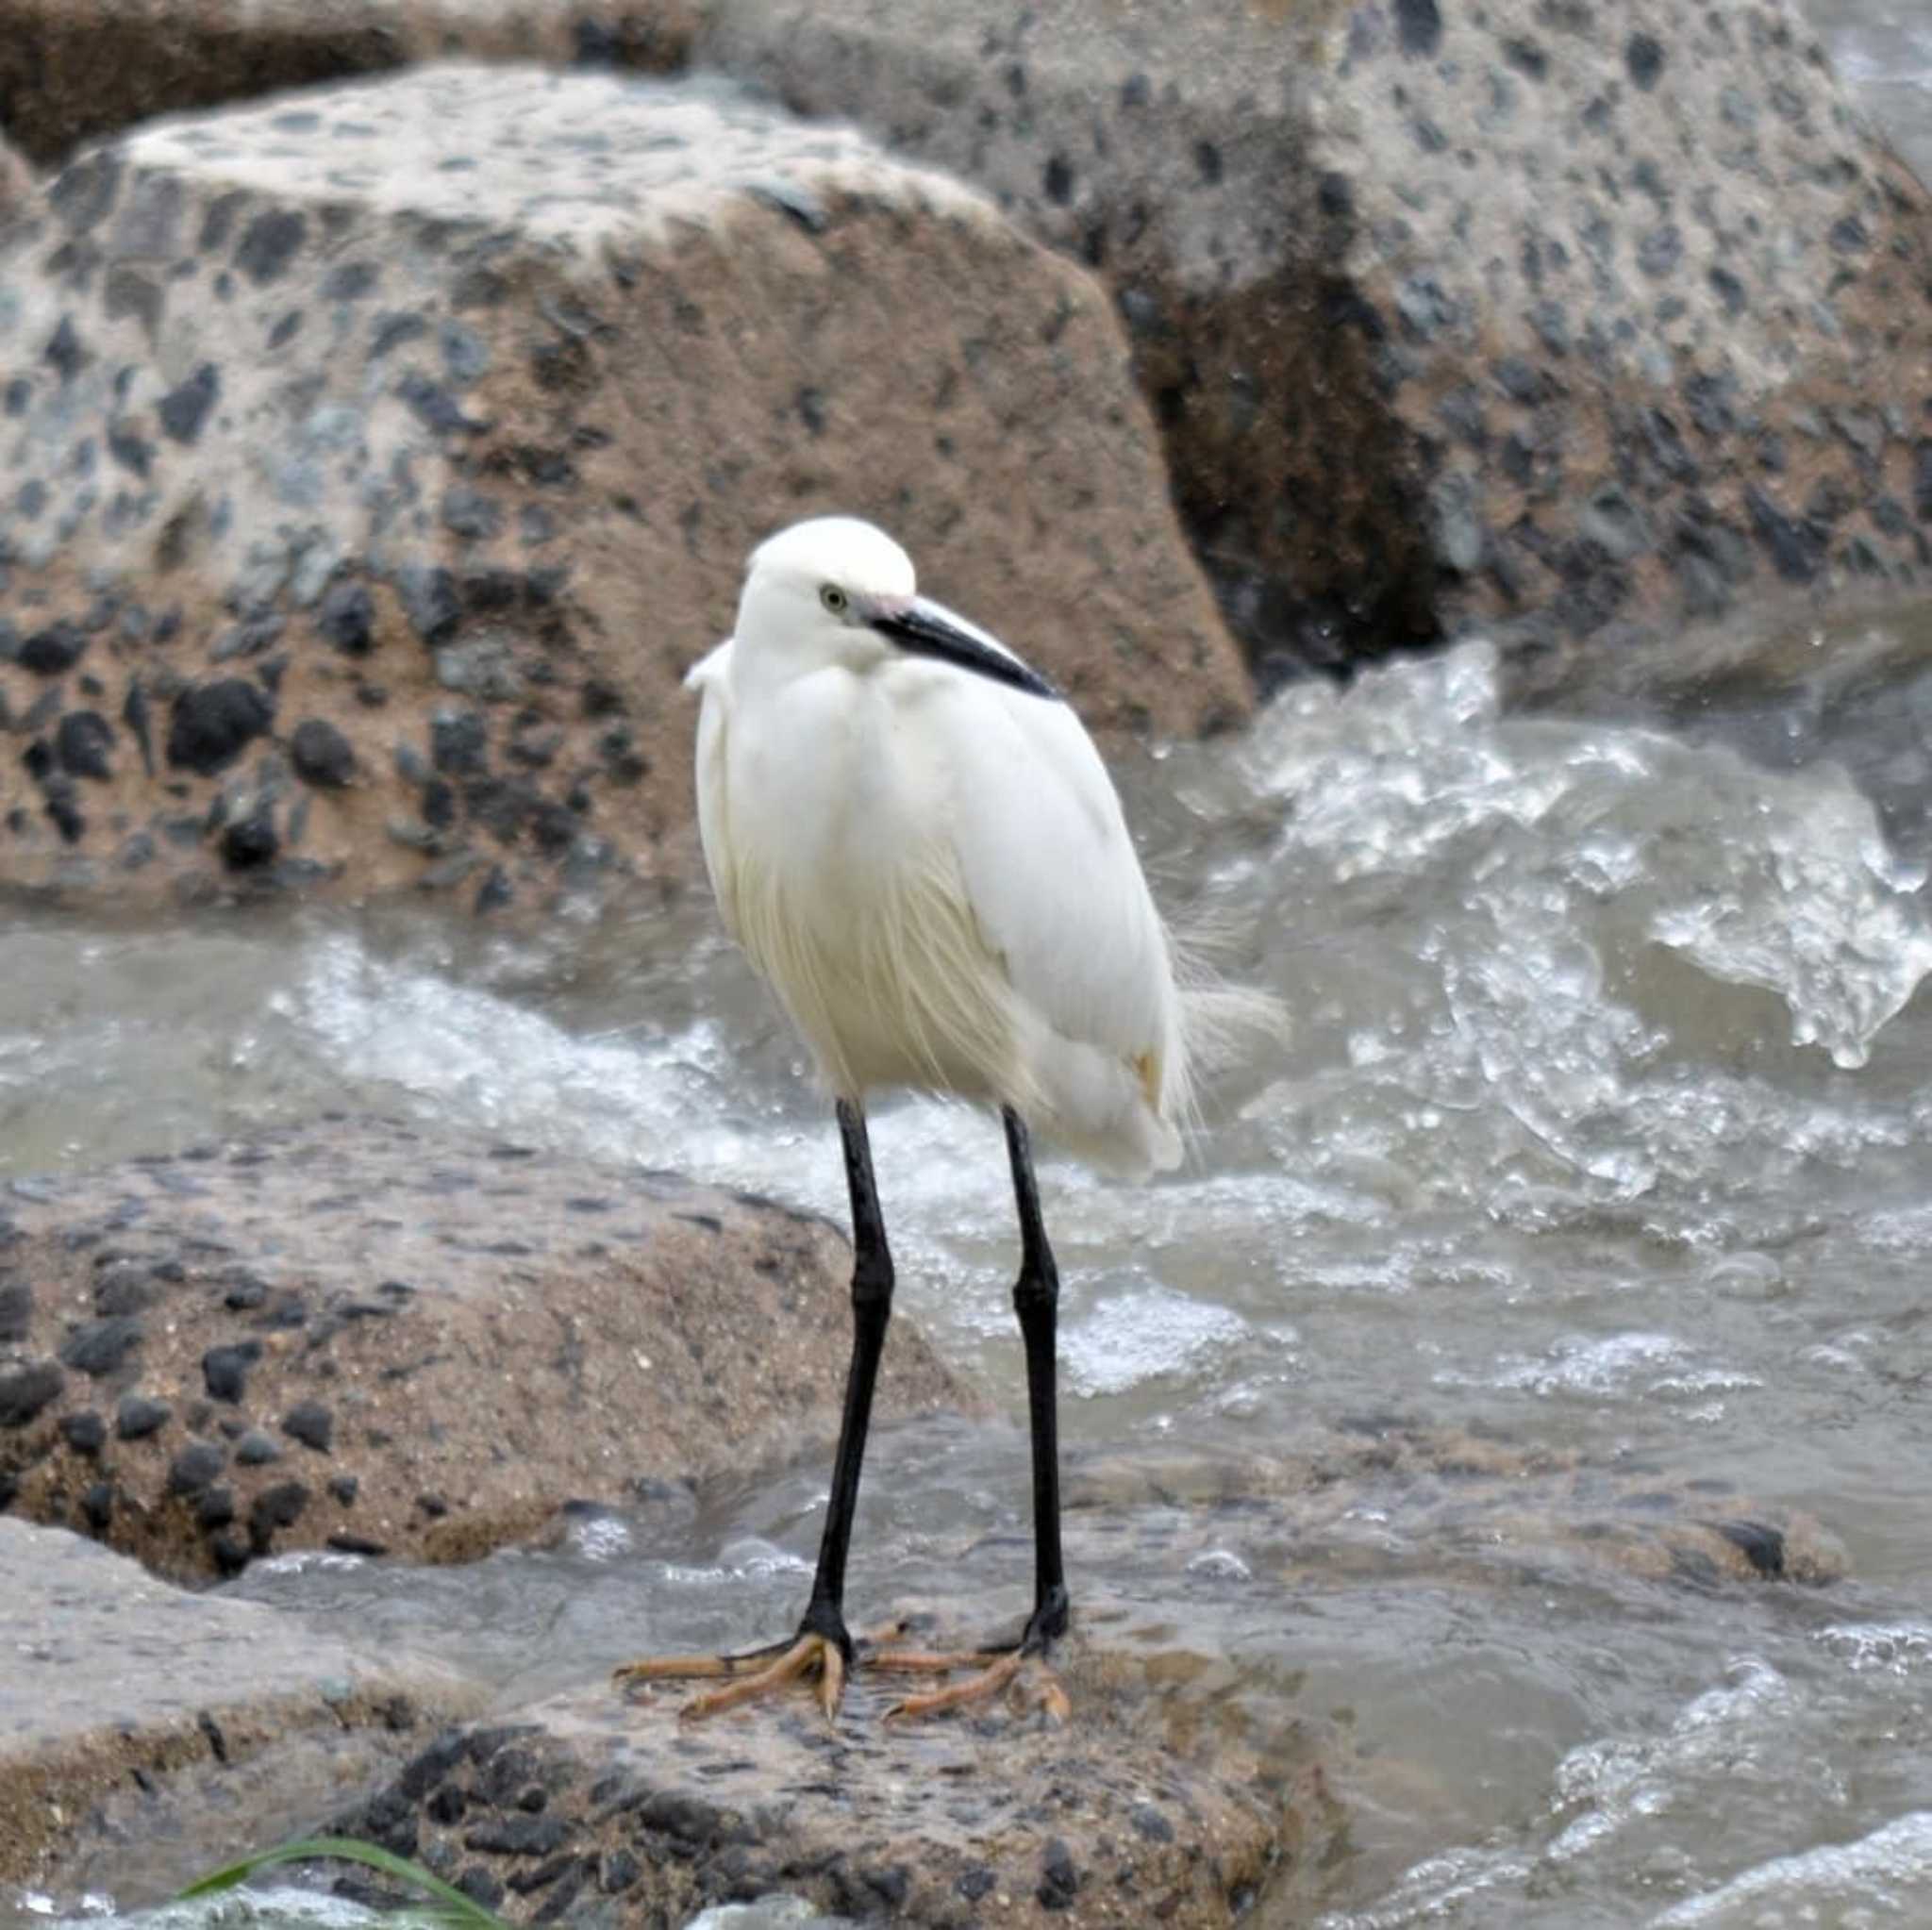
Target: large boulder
{"points": [[378, 462], [122, 1692], [394, 1341], [1574, 318], [73, 70]]}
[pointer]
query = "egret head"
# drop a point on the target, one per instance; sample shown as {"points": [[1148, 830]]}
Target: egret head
{"points": [[835, 590]]}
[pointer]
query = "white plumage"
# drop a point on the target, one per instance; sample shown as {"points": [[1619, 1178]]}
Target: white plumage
{"points": [[916, 842]]}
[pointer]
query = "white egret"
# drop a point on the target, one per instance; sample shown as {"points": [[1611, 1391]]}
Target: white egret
{"points": [[915, 842]]}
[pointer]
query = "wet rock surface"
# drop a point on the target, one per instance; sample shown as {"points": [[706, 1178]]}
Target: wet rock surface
{"points": [[117, 1684], [379, 460], [390, 1342], [1585, 320], [1121, 1817], [1189, 1786], [72, 70]]}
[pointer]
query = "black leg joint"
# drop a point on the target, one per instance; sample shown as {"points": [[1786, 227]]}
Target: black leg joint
{"points": [[822, 1617]]}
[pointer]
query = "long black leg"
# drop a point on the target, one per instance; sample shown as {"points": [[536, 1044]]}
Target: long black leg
{"points": [[871, 1309], [1035, 1300]]}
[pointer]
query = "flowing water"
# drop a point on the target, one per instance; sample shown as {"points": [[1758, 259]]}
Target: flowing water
{"points": [[1604, 1124]]}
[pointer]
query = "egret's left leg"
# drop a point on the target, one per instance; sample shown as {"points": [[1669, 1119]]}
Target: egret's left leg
{"points": [[1035, 1300]]}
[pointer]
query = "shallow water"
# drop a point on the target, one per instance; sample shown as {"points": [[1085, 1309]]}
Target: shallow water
{"points": [[1602, 1125]]}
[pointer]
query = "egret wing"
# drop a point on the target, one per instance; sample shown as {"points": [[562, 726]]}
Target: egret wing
{"points": [[1053, 880], [709, 677]]}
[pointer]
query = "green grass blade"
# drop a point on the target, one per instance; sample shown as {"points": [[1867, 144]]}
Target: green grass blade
{"points": [[451, 1906]]}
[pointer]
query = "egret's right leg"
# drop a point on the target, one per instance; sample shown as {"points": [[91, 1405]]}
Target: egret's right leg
{"points": [[823, 1644]]}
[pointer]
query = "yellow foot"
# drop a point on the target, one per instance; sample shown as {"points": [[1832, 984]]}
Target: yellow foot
{"points": [[764, 1671], [1020, 1671]]}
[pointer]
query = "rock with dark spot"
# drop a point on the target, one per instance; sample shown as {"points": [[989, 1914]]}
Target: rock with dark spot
{"points": [[346, 617], [268, 243], [138, 1416], [184, 411], [255, 1449], [1059, 1881], [101, 1346], [212, 724], [280, 1506], [85, 1432], [84, 743], [195, 1467], [459, 743], [250, 843], [321, 754], [52, 651], [1419, 26], [225, 1370], [25, 1390], [311, 1424], [430, 600]]}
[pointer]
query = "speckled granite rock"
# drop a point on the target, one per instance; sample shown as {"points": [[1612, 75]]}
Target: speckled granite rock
{"points": [[1154, 1806], [1577, 317], [72, 70], [379, 461], [115, 1682], [381, 1340]]}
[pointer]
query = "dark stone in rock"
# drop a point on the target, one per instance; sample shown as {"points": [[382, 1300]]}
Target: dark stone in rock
{"points": [[226, 1369], [141, 1415], [1643, 59], [268, 244], [1059, 1882], [347, 617], [196, 1466], [344, 1489], [16, 1309], [245, 1294], [494, 893], [321, 754], [250, 842], [280, 1506], [1660, 252], [429, 601], [1922, 480], [1419, 26], [103, 1345], [83, 742], [212, 724], [439, 805], [62, 807], [519, 1835], [86, 1433], [1152, 1823], [476, 1881], [184, 411], [255, 1450], [459, 743], [97, 1506], [1763, 1546], [216, 1509], [1795, 550], [311, 1424], [53, 651], [126, 1286], [975, 1882], [230, 1554], [468, 512], [25, 1390]]}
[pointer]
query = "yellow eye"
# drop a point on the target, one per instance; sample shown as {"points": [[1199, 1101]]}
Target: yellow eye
{"points": [[834, 599]]}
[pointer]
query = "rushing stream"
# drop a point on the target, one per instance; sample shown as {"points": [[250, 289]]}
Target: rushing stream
{"points": [[1604, 1124]]}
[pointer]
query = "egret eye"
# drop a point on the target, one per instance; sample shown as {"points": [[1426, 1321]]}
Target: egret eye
{"points": [[834, 599]]}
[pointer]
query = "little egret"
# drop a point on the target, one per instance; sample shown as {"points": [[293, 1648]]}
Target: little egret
{"points": [[915, 842]]}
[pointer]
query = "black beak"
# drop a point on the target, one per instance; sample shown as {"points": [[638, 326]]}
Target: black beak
{"points": [[929, 629]]}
